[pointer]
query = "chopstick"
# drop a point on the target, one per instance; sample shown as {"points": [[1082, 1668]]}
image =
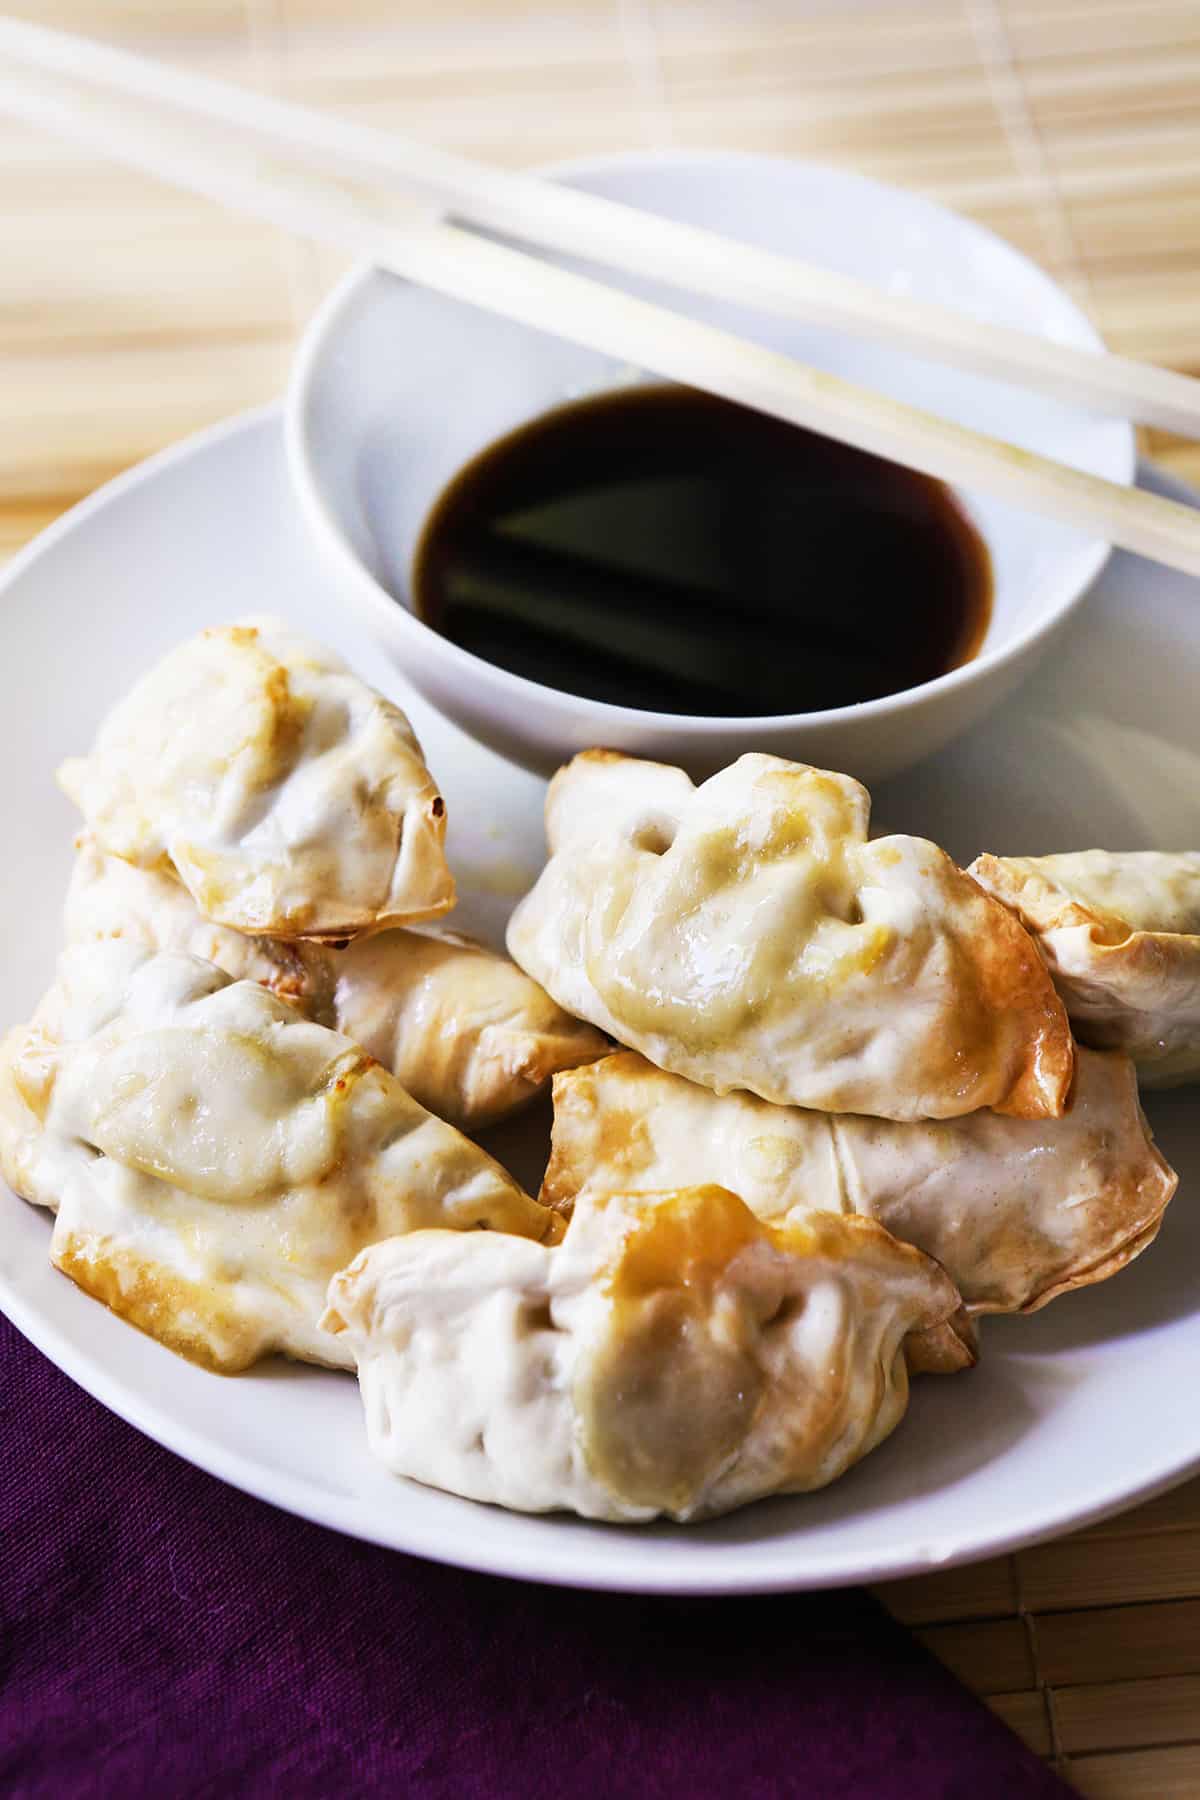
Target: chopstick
{"points": [[360, 220], [605, 231]]}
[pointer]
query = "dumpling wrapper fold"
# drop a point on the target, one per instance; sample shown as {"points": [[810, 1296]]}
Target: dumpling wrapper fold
{"points": [[1015, 1210], [465, 1031], [288, 796], [673, 1356], [1120, 934], [213, 1158], [747, 934]]}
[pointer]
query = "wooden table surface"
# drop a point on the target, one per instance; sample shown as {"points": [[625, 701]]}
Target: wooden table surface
{"points": [[131, 315]]}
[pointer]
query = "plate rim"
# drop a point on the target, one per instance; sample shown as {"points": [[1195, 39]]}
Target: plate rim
{"points": [[541, 1561]]}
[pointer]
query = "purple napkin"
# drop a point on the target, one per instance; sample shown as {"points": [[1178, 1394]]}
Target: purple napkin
{"points": [[163, 1634]]}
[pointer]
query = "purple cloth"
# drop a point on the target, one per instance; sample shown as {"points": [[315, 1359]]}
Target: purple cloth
{"points": [[162, 1634]]}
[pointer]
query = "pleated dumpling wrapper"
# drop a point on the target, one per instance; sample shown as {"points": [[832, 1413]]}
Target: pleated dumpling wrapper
{"points": [[747, 934], [464, 1030], [288, 796], [1120, 933], [214, 1158], [111, 900], [672, 1356], [1015, 1210]]}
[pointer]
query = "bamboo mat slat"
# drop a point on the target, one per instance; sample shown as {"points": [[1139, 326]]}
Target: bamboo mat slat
{"points": [[1111, 1571], [1073, 1648], [993, 1656], [982, 1590], [1119, 1715], [131, 315], [1026, 1714], [1168, 1774], [139, 397]]}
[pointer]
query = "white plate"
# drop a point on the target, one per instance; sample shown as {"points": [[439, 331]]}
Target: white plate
{"points": [[1071, 1414]]}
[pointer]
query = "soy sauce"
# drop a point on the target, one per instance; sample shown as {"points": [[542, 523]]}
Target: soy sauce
{"points": [[664, 549]]}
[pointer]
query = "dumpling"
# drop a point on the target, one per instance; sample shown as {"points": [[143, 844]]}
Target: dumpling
{"points": [[20, 1127], [289, 797], [673, 1356], [466, 1032], [747, 934], [1015, 1210], [1120, 934], [111, 899], [213, 1158]]}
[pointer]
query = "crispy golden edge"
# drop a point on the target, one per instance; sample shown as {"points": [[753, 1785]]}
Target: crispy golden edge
{"points": [[573, 1093], [1039, 902], [598, 754], [1140, 1199], [1017, 983], [429, 817], [943, 1349], [157, 1303], [1110, 1264], [1042, 906]]}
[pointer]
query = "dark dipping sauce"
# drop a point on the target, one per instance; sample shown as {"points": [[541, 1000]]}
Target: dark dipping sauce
{"points": [[661, 548]]}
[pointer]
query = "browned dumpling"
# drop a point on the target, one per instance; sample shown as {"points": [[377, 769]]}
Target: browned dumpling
{"points": [[748, 934], [213, 1158], [288, 797], [673, 1356], [467, 1033], [1016, 1210], [111, 900], [1120, 933]]}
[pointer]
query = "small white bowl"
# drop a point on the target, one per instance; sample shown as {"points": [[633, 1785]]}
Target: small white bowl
{"points": [[395, 388]]}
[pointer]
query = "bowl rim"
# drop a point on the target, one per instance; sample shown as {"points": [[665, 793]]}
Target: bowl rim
{"points": [[376, 604]]}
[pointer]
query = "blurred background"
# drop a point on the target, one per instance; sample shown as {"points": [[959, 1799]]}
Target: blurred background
{"points": [[131, 315]]}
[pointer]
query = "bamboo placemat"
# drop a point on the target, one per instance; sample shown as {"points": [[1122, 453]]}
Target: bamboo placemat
{"points": [[131, 315]]}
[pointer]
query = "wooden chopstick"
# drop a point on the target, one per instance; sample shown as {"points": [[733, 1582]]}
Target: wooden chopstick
{"points": [[683, 256], [220, 165]]}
